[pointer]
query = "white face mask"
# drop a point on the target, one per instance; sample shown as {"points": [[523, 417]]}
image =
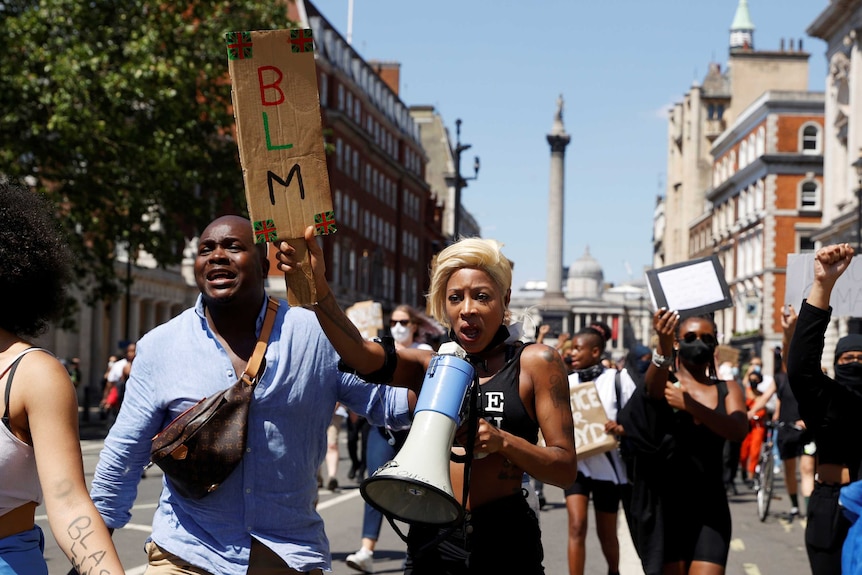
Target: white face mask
{"points": [[401, 333]]}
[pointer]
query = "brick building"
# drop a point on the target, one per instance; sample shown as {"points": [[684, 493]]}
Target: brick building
{"points": [[389, 224], [765, 202]]}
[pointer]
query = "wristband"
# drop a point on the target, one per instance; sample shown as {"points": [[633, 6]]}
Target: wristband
{"points": [[661, 361], [385, 373]]}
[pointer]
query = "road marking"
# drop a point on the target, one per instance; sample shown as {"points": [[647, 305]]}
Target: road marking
{"points": [[737, 545], [336, 500], [750, 569]]}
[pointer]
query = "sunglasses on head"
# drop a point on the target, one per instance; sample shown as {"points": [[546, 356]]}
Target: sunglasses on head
{"points": [[706, 338], [404, 322]]}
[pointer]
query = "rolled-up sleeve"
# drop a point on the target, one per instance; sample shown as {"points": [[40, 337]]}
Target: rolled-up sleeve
{"points": [[127, 447], [381, 405]]}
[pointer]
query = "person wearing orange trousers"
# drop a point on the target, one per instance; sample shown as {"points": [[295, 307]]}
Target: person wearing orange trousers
{"points": [[749, 453]]}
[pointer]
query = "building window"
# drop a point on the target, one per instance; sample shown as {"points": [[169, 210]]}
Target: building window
{"points": [[324, 90], [336, 263], [339, 153], [806, 244], [341, 97], [810, 139], [351, 270], [809, 196]]}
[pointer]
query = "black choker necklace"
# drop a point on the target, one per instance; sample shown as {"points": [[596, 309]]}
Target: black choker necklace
{"points": [[477, 359]]}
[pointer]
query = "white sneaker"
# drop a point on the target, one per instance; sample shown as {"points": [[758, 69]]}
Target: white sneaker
{"points": [[362, 560]]}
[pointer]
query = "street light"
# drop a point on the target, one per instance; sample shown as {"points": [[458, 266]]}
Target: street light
{"points": [[459, 181], [858, 166]]}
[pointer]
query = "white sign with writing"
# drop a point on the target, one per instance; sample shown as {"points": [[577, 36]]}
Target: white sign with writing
{"points": [[589, 417], [846, 297]]}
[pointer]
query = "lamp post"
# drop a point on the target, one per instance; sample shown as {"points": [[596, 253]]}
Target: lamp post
{"points": [[857, 165], [459, 181]]}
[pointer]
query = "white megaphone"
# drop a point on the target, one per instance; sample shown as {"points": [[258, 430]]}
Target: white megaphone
{"points": [[415, 487]]}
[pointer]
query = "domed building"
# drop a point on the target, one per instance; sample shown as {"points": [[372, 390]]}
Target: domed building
{"points": [[587, 299], [586, 278]]}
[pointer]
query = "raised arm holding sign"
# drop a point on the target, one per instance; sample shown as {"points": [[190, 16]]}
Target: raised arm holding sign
{"points": [[280, 139]]}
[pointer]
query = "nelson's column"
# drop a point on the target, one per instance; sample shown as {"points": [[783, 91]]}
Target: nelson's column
{"points": [[555, 309]]}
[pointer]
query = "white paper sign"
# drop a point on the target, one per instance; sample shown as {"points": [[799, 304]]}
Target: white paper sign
{"points": [[846, 299], [691, 288]]}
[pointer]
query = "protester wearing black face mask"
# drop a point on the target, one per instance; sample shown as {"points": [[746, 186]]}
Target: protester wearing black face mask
{"points": [[830, 409], [680, 512]]}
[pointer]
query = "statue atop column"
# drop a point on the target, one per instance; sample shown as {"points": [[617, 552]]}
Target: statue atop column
{"points": [[558, 129]]}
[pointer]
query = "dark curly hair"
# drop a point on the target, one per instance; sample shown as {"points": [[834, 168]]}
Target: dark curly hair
{"points": [[34, 257]]}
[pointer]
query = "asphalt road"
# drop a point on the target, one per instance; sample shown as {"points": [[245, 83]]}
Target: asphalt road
{"points": [[775, 546]]}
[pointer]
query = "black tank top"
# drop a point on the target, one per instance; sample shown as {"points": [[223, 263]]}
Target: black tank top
{"points": [[501, 401], [699, 450]]}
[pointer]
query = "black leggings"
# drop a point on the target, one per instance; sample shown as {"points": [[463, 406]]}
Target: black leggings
{"points": [[826, 530], [698, 532], [500, 537]]}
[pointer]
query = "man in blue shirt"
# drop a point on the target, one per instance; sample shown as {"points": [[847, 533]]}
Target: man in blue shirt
{"points": [[263, 514]]}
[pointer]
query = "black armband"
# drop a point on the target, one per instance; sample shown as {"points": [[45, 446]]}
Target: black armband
{"points": [[390, 362]]}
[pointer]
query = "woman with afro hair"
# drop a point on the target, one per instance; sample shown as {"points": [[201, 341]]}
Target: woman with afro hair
{"points": [[40, 452]]}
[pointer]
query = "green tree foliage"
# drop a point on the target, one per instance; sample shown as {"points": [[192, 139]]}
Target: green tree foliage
{"points": [[120, 110]]}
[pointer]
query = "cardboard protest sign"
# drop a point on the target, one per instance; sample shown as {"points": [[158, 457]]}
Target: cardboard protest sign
{"points": [[846, 299], [726, 353], [367, 316], [280, 139], [694, 287], [589, 417]]}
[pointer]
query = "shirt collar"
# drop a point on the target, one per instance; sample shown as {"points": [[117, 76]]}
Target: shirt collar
{"points": [[199, 310]]}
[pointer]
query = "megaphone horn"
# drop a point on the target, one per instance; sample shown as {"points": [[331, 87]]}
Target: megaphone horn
{"points": [[414, 487]]}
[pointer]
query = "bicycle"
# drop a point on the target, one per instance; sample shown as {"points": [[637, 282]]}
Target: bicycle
{"points": [[764, 473], [764, 478]]}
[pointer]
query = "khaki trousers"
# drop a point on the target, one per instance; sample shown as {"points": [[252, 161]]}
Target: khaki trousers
{"points": [[262, 561]]}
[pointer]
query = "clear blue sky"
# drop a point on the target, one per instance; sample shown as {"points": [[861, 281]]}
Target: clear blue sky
{"points": [[620, 64]]}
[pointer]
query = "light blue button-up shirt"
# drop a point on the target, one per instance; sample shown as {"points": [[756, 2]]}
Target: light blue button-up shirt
{"points": [[271, 495]]}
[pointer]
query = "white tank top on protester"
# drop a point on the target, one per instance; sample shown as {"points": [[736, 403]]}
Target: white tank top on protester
{"points": [[19, 481], [599, 466]]}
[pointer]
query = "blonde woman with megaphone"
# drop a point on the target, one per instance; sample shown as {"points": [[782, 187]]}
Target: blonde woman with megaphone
{"points": [[523, 390]]}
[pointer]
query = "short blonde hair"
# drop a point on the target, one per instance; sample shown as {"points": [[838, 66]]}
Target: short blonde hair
{"points": [[475, 253]]}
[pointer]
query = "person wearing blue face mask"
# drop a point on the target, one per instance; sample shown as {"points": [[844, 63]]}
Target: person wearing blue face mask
{"points": [[829, 407]]}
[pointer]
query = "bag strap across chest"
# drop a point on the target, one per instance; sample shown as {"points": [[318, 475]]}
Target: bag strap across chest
{"points": [[252, 369]]}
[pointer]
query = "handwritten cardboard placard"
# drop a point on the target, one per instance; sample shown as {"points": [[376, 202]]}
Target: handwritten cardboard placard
{"points": [[589, 417], [846, 299], [367, 316], [280, 137], [694, 287]]}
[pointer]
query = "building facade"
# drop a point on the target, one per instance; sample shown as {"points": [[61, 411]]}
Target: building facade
{"points": [[388, 226], [744, 179], [840, 26], [440, 171], [703, 114], [765, 202]]}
